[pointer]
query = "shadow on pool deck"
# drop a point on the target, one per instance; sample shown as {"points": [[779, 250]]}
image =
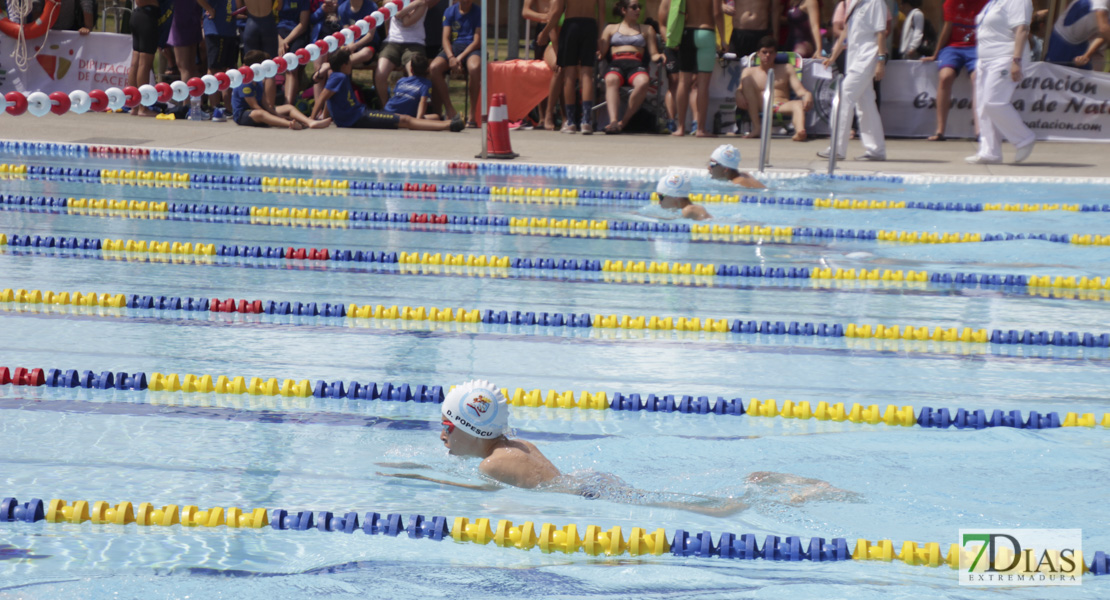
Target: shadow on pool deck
{"points": [[1051, 159]]}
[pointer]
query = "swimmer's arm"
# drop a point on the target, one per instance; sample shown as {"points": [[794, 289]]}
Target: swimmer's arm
{"points": [[528, 12], [556, 10], [321, 102], [269, 94], [485, 487], [661, 17], [416, 11], [603, 41]]}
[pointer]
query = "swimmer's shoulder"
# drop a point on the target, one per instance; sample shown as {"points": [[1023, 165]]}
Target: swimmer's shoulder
{"points": [[696, 212], [746, 180], [519, 463]]}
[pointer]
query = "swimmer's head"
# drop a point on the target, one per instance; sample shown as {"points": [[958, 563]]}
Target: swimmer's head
{"points": [[724, 159], [673, 190], [476, 408]]}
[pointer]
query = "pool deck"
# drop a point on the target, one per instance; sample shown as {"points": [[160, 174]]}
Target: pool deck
{"points": [[1050, 159]]}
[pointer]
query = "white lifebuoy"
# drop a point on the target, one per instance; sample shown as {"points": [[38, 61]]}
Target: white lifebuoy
{"points": [[79, 101], [378, 18], [116, 98], [313, 52], [348, 36], [235, 76], [332, 42], [269, 69], [180, 90], [211, 84], [38, 103], [258, 71], [292, 61], [363, 27], [148, 95]]}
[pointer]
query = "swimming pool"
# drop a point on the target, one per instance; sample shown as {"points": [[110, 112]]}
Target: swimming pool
{"points": [[320, 454]]}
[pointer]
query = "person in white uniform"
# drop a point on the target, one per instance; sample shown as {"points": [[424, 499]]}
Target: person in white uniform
{"points": [[1075, 35], [1003, 28], [865, 39]]}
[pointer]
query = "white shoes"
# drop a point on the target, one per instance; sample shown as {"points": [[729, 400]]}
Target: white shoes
{"points": [[872, 157], [1023, 152], [979, 160], [827, 151]]}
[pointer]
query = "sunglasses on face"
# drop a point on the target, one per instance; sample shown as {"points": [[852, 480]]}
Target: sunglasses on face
{"points": [[448, 427]]}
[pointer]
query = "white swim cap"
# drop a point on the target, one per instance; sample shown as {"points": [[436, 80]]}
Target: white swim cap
{"points": [[674, 184], [727, 156], [478, 408]]}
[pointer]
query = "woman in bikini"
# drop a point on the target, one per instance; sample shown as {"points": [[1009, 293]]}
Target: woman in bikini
{"points": [[628, 41]]}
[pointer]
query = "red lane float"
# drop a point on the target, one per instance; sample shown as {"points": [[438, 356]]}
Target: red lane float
{"points": [[196, 87], [59, 103], [18, 103], [133, 96], [99, 100], [50, 13], [39, 103]]}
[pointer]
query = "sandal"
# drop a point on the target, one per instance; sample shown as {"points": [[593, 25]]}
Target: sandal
{"points": [[613, 128], [937, 137]]}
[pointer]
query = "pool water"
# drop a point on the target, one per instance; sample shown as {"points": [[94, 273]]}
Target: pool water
{"points": [[326, 454]]}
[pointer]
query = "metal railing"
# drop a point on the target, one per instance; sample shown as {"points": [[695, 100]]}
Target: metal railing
{"points": [[768, 116], [834, 124]]}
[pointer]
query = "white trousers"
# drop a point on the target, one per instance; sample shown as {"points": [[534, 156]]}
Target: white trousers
{"points": [[997, 117], [858, 96]]}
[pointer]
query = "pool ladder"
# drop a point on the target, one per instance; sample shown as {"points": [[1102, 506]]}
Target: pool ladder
{"points": [[765, 124], [835, 121]]}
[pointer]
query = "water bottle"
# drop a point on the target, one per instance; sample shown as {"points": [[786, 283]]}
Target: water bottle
{"points": [[195, 113]]}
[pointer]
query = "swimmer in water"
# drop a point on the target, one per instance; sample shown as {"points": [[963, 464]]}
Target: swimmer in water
{"points": [[475, 421], [674, 194], [724, 164]]}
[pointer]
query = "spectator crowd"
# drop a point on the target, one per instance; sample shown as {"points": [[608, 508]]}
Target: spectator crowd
{"points": [[610, 51]]}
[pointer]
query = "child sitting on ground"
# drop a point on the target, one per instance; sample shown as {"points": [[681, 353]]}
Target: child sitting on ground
{"points": [[252, 104], [412, 94], [346, 111]]}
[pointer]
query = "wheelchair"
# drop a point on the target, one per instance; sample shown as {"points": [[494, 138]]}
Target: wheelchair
{"points": [[652, 113]]}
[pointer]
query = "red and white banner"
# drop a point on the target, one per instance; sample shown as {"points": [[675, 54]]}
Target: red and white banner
{"points": [[1058, 103], [67, 61]]}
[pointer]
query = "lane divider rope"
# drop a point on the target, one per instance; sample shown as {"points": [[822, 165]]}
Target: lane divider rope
{"points": [[555, 319], [567, 196], [548, 537], [892, 415], [526, 225], [560, 264]]}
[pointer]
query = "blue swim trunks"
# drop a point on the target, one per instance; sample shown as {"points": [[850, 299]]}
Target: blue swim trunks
{"points": [[957, 57]]}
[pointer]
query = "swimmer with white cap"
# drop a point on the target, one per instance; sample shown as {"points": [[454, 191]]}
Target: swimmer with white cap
{"points": [[475, 419], [674, 194], [724, 164]]}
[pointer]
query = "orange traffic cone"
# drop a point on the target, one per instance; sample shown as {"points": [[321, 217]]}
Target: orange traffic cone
{"points": [[497, 129]]}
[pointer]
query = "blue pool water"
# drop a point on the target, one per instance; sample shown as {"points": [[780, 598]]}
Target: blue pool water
{"points": [[913, 484]]}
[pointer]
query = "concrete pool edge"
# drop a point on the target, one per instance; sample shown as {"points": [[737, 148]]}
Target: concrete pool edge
{"points": [[1055, 160]]}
